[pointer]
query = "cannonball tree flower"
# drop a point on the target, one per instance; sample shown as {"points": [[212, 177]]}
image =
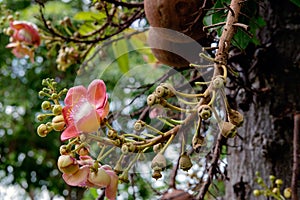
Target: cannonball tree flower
{"points": [[87, 176], [85, 109], [24, 35], [26, 32]]}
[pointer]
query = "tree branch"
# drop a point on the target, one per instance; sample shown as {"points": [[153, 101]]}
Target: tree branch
{"points": [[296, 153]]}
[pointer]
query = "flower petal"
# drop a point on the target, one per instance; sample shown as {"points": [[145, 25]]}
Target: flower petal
{"points": [[88, 123], [97, 93], [26, 31], [69, 132], [103, 112], [75, 94], [79, 178], [111, 189]]}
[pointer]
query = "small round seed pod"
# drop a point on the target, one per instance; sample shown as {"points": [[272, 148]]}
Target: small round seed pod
{"points": [[204, 112], [159, 161], [46, 105], [185, 162], [235, 117], [153, 99], [228, 129]]}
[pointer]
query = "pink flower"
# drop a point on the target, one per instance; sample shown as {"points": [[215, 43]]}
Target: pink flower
{"points": [[85, 109], [24, 34], [86, 176]]}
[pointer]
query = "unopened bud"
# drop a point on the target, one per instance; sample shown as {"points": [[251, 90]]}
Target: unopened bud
{"points": [[46, 105], [159, 161], [204, 112], [153, 99], [57, 109], [58, 123], [287, 193], [218, 82], [138, 126], [67, 164], [42, 130]]}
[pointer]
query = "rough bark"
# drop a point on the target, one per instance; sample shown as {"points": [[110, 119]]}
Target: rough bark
{"points": [[267, 132]]}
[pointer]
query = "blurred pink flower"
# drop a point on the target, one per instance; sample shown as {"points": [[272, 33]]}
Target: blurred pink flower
{"points": [[85, 109], [24, 34], [86, 176]]}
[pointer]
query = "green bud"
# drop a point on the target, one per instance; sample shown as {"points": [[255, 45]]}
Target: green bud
{"points": [[42, 130], [287, 193], [138, 126], [45, 82], [42, 94], [54, 96], [278, 182], [46, 105], [152, 100], [57, 109], [256, 193], [204, 112], [185, 162]]}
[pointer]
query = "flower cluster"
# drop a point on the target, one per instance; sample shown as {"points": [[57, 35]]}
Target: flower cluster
{"points": [[24, 36], [87, 172]]}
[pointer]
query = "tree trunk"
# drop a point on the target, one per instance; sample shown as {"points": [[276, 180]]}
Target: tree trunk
{"points": [[267, 144]]}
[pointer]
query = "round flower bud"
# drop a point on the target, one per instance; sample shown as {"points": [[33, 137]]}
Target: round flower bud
{"points": [[57, 109], [256, 193], [67, 164], [46, 105], [228, 129], [152, 100], [185, 162], [54, 96], [63, 150], [276, 190], [287, 193], [112, 134], [42, 130], [204, 112], [99, 178], [138, 126], [58, 123], [272, 178], [278, 182], [125, 149], [218, 82]]}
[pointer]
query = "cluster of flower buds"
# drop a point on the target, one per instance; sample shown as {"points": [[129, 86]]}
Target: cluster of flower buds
{"points": [[52, 108], [273, 190], [66, 57]]}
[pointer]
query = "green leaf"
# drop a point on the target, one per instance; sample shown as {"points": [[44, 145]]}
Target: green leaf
{"points": [[120, 50], [89, 16], [296, 2]]}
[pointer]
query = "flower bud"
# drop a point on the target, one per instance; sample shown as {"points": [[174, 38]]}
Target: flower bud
{"points": [[46, 105], [278, 182], [204, 112], [256, 193], [287, 193], [235, 117], [67, 164], [138, 126], [153, 99], [276, 190], [54, 96], [112, 134], [125, 149], [164, 90], [228, 129], [57, 109], [82, 151], [58, 123], [99, 178], [185, 162], [63, 150], [42, 130], [197, 142]]}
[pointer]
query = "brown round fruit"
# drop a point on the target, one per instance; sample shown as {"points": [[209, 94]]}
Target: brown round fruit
{"points": [[184, 16], [172, 53]]}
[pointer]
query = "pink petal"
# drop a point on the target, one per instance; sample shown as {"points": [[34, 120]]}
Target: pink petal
{"points": [[88, 123], [103, 112], [75, 94], [111, 189], [69, 132], [29, 28], [67, 111], [79, 178], [97, 93]]}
